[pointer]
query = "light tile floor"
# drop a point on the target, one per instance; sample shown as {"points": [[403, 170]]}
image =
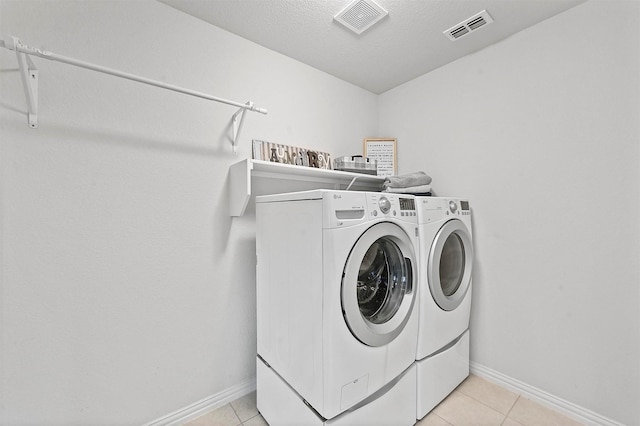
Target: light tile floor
{"points": [[475, 402]]}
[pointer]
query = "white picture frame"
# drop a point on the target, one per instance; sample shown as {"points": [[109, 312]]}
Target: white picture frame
{"points": [[384, 150]]}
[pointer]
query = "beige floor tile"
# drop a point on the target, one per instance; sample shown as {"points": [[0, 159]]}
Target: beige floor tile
{"points": [[530, 413], [223, 416], [432, 419], [496, 397], [462, 410], [476, 402], [256, 421], [245, 407], [510, 422]]}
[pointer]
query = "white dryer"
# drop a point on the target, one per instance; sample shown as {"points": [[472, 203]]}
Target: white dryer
{"points": [[446, 261], [337, 316]]}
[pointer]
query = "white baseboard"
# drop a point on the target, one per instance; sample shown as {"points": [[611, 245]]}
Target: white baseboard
{"points": [[567, 408], [205, 405]]}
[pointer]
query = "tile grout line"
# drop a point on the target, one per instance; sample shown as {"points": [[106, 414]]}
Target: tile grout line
{"points": [[514, 404], [488, 406], [446, 421], [474, 399], [251, 418], [511, 409], [236, 413], [432, 413]]}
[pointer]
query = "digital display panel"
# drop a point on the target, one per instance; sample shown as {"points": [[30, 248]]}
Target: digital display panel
{"points": [[407, 204], [464, 205]]}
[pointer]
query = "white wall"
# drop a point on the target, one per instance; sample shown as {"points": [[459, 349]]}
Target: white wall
{"points": [[127, 292], [542, 133]]}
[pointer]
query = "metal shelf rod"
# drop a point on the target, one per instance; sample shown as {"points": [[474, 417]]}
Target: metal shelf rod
{"points": [[13, 43]]}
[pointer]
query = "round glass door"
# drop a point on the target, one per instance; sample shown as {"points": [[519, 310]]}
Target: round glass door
{"points": [[377, 284], [449, 267]]}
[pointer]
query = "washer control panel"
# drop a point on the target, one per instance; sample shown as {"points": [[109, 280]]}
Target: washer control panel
{"points": [[392, 205]]}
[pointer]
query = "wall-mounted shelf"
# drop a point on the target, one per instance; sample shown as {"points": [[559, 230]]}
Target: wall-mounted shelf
{"points": [[241, 174]]}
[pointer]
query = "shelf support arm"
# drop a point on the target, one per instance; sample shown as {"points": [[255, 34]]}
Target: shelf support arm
{"points": [[29, 77], [351, 183], [237, 120]]}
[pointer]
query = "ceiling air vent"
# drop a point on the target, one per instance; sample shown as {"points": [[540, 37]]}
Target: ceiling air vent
{"points": [[360, 15], [478, 20]]}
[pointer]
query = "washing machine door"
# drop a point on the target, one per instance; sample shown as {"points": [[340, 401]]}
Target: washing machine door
{"points": [[378, 284], [449, 265]]}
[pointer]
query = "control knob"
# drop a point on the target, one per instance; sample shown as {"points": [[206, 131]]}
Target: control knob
{"points": [[385, 205], [453, 206]]}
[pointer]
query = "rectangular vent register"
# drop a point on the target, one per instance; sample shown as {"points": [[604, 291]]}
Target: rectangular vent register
{"points": [[468, 25]]}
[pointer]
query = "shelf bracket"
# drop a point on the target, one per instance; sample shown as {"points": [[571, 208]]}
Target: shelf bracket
{"points": [[237, 120], [29, 76], [351, 184]]}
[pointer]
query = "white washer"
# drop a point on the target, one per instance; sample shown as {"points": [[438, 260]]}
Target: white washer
{"points": [[446, 260], [336, 308]]}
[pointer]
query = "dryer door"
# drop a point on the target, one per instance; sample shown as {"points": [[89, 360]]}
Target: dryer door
{"points": [[449, 266], [378, 284]]}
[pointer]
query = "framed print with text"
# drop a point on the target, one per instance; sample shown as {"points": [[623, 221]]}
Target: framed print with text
{"points": [[384, 150]]}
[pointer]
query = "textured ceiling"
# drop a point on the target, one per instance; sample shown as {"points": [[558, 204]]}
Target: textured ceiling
{"points": [[404, 45]]}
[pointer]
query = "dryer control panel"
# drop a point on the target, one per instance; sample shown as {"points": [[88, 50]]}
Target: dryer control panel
{"points": [[459, 207], [431, 209]]}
